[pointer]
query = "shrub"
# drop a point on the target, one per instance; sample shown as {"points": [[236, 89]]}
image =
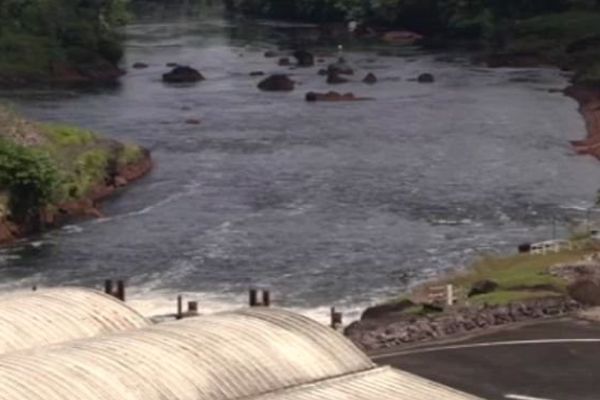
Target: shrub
{"points": [[30, 178]]}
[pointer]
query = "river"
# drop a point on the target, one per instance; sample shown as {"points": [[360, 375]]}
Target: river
{"points": [[339, 204]]}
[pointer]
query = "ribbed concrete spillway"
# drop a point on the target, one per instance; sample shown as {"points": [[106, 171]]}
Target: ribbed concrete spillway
{"points": [[32, 319], [246, 354]]}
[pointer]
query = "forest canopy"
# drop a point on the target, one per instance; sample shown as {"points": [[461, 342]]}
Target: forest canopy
{"points": [[426, 15], [39, 36]]}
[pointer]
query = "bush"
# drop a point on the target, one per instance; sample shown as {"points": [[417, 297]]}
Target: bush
{"points": [[30, 178]]}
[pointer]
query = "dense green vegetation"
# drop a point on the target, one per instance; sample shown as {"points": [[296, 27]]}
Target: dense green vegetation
{"points": [[46, 164], [39, 38], [563, 32], [29, 177], [425, 15]]}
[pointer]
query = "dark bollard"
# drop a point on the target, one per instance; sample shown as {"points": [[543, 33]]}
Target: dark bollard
{"points": [[192, 308], [336, 318], [266, 298], [120, 290], [108, 287], [179, 307], [253, 298], [524, 248]]}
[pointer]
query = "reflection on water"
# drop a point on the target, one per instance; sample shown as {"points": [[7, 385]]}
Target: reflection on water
{"points": [[325, 203]]}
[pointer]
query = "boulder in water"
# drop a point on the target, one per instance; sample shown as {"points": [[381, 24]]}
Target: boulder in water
{"points": [[334, 78], [183, 74], [426, 78], [370, 78], [140, 65], [277, 83], [284, 62], [341, 67], [332, 96], [257, 73], [304, 58]]}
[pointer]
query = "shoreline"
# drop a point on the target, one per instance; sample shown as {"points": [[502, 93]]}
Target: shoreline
{"points": [[588, 97], [55, 216], [386, 324]]}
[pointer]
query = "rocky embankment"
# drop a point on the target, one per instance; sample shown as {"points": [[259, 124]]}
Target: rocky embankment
{"points": [[588, 98], [384, 330]]}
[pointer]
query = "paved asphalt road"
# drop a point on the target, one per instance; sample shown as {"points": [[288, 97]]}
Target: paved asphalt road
{"points": [[551, 360]]}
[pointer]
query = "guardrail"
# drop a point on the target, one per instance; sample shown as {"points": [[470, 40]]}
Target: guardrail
{"points": [[447, 295], [551, 246]]}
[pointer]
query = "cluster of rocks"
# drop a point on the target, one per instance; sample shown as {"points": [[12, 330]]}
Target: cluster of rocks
{"points": [[576, 271], [336, 74], [383, 331]]}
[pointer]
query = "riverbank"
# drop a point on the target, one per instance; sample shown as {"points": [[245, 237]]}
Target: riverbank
{"points": [[494, 291], [54, 173], [588, 98]]}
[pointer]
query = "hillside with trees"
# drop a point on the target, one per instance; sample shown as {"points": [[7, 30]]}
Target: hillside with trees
{"points": [[560, 32], [59, 40]]}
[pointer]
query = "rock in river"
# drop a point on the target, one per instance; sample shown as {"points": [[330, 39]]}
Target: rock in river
{"points": [[332, 96], [370, 78], [426, 78], [341, 67], [304, 58], [334, 78], [277, 83], [183, 74]]}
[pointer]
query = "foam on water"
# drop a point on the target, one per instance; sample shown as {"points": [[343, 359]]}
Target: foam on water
{"points": [[153, 303]]}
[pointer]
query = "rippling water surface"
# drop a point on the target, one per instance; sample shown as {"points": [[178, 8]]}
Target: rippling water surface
{"points": [[327, 204]]}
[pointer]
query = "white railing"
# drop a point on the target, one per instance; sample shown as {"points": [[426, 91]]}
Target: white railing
{"points": [[551, 246], [447, 295]]}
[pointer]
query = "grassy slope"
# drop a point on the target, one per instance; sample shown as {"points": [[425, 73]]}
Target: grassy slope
{"points": [[519, 277], [82, 158]]}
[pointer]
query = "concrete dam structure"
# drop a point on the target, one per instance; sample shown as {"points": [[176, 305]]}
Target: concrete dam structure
{"points": [[33, 319], [258, 353]]}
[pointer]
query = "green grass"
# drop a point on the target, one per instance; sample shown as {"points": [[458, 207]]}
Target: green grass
{"points": [[62, 135], [504, 297], [90, 170], [519, 277], [129, 154], [518, 270]]}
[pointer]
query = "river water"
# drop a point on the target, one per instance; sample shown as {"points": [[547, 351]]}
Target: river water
{"points": [[327, 204]]}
